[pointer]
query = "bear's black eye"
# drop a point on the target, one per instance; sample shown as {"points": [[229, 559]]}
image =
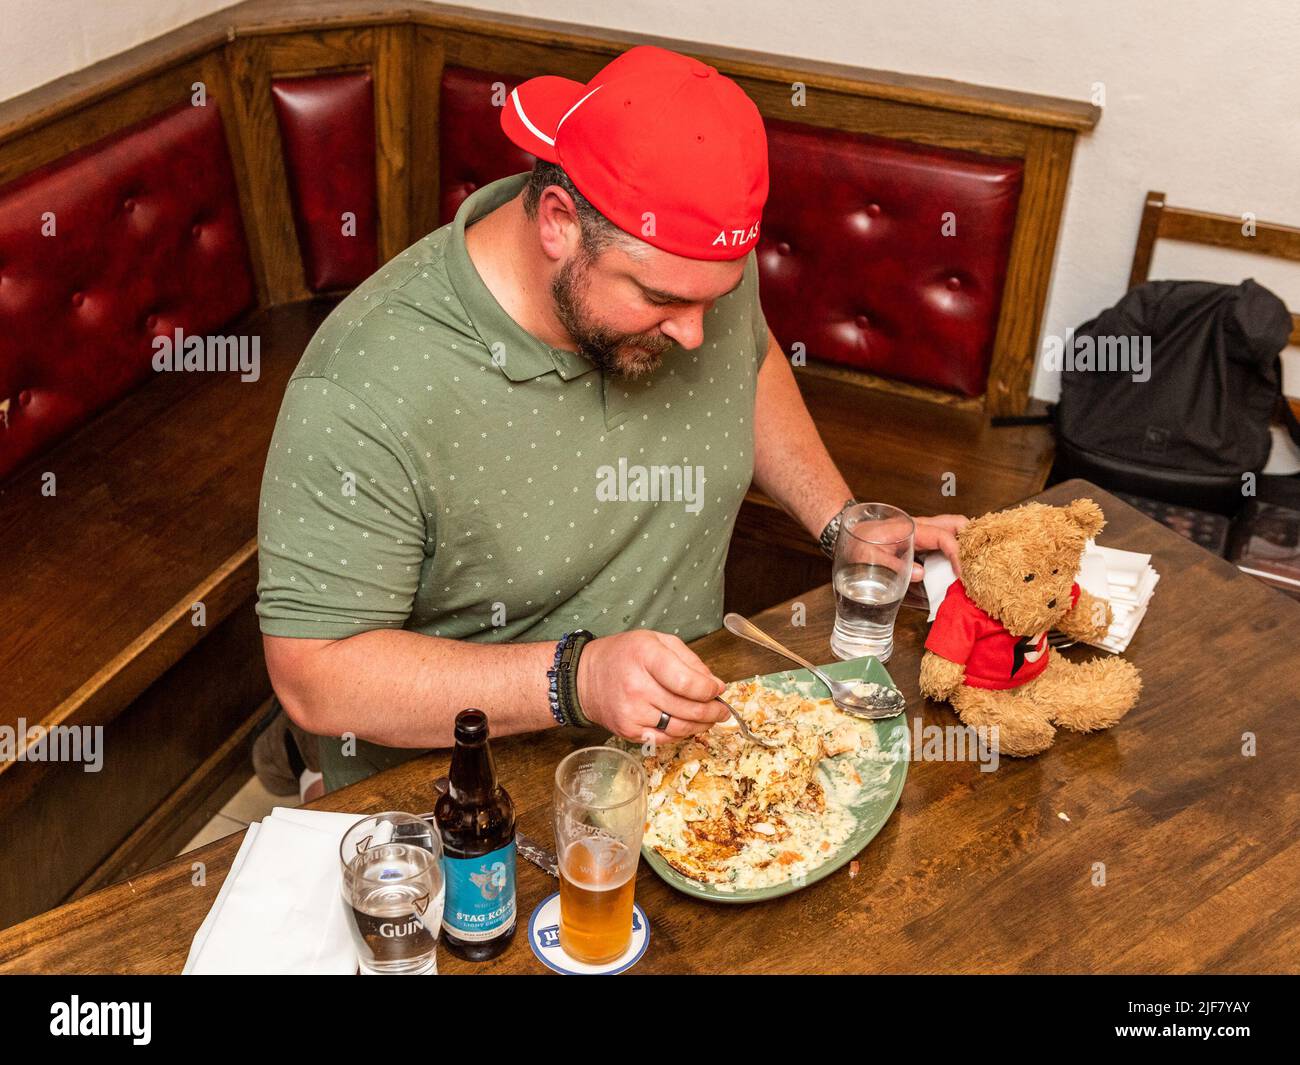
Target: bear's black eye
{"points": [[1028, 577], [1056, 571]]}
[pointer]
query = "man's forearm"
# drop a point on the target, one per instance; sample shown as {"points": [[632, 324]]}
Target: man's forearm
{"points": [[403, 689], [791, 464]]}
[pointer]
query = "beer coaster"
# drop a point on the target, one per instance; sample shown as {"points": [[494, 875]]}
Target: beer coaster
{"points": [[544, 938]]}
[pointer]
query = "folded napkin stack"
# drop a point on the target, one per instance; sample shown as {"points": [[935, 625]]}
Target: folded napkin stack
{"points": [[1125, 579], [279, 910]]}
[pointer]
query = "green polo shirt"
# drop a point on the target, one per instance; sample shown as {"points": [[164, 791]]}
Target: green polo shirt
{"points": [[437, 468]]}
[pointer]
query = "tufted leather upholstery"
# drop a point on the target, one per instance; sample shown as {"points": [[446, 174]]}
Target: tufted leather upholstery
{"points": [[148, 238], [327, 130], [853, 261], [852, 258], [473, 149]]}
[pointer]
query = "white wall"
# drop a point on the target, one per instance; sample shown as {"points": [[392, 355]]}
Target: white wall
{"points": [[41, 40], [1202, 97]]}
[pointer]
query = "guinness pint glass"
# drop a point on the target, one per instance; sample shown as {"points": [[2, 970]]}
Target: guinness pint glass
{"points": [[392, 890]]}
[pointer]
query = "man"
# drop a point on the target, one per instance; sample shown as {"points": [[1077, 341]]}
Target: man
{"points": [[541, 418]]}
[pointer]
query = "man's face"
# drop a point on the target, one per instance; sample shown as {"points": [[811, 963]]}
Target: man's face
{"points": [[625, 312]]}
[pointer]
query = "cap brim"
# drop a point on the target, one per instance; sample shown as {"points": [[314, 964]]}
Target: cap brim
{"points": [[533, 111]]}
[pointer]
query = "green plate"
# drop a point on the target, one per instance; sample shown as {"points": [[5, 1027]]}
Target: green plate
{"points": [[887, 762]]}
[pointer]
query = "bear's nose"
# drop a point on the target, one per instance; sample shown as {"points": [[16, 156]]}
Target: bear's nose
{"points": [[1051, 603]]}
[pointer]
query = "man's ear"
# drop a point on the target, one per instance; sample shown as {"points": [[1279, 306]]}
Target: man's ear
{"points": [[1087, 515]]}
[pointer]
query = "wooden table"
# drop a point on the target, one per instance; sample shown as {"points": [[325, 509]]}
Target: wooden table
{"points": [[974, 872]]}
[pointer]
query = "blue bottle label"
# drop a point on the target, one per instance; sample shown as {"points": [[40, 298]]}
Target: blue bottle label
{"points": [[480, 894]]}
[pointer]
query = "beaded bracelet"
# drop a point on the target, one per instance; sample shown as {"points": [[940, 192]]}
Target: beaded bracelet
{"points": [[563, 679]]}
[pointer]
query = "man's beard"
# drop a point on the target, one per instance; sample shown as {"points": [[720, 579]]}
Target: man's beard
{"points": [[628, 355]]}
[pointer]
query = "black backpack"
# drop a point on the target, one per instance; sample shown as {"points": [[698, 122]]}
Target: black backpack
{"points": [[1169, 393]]}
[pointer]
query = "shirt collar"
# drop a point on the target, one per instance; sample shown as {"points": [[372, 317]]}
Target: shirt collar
{"points": [[525, 357]]}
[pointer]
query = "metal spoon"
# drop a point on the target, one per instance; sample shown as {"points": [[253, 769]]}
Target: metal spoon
{"points": [[753, 737], [879, 703]]}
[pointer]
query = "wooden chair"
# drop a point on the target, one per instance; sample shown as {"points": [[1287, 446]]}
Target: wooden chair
{"points": [[1160, 221]]}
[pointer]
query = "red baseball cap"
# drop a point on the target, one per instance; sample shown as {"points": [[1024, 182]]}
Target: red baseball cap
{"points": [[665, 147]]}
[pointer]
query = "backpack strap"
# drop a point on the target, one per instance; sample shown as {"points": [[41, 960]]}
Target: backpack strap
{"points": [[1001, 421]]}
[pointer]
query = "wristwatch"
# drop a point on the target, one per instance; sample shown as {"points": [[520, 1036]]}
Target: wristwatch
{"points": [[832, 531]]}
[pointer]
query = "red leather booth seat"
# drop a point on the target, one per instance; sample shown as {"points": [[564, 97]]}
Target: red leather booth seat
{"points": [[144, 237], [472, 147], [327, 129], [855, 262]]}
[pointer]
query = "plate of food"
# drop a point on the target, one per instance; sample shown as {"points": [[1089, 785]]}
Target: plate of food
{"points": [[733, 821]]}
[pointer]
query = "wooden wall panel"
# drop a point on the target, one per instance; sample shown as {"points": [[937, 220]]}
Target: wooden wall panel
{"points": [[1029, 272], [255, 61], [427, 61], [392, 74], [277, 247]]}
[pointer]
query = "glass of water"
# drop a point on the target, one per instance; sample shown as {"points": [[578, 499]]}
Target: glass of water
{"points": [[870, 574], [393, 892]]}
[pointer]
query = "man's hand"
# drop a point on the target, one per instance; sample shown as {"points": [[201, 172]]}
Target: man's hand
{"points": [[626, 680], [938, 533]]}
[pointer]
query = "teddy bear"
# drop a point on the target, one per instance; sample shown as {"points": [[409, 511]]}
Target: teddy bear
{"points": [[987, 653]]}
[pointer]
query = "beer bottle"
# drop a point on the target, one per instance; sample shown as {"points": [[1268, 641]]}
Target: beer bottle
{"points": [[476, 820]]}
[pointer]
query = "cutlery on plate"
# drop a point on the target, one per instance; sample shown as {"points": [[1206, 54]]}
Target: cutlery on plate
{"points": [[744, 729], [875, 703]]}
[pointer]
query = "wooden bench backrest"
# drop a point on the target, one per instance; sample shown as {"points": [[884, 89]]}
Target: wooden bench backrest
{"points": [[251, 56]]}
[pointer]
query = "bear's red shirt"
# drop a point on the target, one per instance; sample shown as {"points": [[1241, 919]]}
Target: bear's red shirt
{"points": [[993, 658]]}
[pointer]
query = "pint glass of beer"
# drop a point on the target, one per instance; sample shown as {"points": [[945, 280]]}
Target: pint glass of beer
{"points": [[599, 820]]}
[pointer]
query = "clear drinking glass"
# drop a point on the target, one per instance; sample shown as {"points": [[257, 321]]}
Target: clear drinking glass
{"points": [[600, 805], [870, 575], [393, 892]]}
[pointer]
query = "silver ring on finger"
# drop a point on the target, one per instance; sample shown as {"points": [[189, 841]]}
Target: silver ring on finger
{"points": [[664, 718]]}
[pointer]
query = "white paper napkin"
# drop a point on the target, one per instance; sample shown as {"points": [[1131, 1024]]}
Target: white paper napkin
{"points": [[1126, 579], [279, 910], [938, 576]]}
